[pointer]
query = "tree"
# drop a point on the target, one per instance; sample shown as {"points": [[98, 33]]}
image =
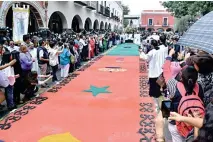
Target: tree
{"points": [[125, 12], [125, 9], [193, 8], [126, 23], [183, 23]]}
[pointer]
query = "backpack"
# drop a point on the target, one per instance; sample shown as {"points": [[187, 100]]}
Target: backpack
{"points": [[188, 104]]}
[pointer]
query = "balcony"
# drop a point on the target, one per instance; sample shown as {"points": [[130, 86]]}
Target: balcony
{"points": [[165, 25], [107, 12], [101, 9], [91, 5], [150, 25], [83, 3]]}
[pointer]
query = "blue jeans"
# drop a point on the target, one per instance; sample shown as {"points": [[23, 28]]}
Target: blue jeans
{"points": [[9, 96]]}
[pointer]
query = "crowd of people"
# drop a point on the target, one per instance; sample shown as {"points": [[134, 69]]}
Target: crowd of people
{"points": [[182, 76], [30, 65]]}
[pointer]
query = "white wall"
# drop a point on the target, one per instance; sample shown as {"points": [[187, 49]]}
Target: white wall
{"points": [[69, 9], [135, 22]]}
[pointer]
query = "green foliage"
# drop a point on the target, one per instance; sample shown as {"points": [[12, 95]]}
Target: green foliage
{"points": [[125, 12], [130, 30], [125, 9], [193, 8], [125, 23], [183, 23]]}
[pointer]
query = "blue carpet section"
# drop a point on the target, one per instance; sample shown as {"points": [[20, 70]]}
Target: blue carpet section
{"points": [[127, 49]]}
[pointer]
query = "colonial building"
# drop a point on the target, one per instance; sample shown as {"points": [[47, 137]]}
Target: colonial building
{"points": [[156, 20], [62, 15]]}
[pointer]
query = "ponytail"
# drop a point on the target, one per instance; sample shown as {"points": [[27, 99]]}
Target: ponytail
{"points": [[190, 87], [189, 79]]}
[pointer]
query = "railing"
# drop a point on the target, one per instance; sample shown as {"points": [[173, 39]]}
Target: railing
{"points": [[107, 12], [101, 10], [165, 25], [150, 25]]}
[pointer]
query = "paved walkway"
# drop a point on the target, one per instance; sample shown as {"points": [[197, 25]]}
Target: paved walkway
{"points": [[106, 101]]}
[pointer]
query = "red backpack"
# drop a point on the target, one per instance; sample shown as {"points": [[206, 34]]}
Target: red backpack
{"points": [[188, 104]]}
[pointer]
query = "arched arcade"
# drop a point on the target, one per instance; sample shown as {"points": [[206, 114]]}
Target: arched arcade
{"points": [[57, 22], [77, 24]]}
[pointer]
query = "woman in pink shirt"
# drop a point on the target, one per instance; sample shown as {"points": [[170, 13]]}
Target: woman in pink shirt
{"points": [[91, 47]]}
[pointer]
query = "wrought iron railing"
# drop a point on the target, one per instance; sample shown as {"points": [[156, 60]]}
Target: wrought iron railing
{"points": [[107, 12], [101, 10]]}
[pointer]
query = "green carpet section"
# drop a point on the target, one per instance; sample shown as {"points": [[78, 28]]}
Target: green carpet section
{"points": [[126, 49]]}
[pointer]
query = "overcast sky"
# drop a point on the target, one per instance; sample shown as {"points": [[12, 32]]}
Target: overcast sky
{"points": [[136, 6]]}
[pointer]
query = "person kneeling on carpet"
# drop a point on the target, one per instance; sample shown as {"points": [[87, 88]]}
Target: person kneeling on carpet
{"points": [[30, 84]]}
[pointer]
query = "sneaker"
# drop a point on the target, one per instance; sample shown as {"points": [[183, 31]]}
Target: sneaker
{"points": [[56, 82]]}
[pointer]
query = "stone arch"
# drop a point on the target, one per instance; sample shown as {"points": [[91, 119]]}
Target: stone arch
{"points": [[96, 25], [88, 24], [57, 22], [169, 29], [77, 24], [150, 29], [38, 11], [109, 26], [106, 26], [160, 30], [102, 25], [115, 28]]}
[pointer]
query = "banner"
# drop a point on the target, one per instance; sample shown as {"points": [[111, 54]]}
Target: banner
{"points": [[20, 22]]}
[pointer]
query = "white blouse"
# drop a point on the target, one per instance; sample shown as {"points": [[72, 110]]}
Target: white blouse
{"points": [[153, 58]]}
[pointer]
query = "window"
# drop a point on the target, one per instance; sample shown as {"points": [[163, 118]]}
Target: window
{"points": [[150, 22], [165, 21]]}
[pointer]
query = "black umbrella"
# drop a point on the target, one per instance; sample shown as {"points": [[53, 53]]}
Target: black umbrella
{"points": [[200, 34]]}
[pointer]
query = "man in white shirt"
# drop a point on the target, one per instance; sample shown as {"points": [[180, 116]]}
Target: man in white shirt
{"points": [[53, 59], [155, 68], [82, 51], [163, 51], [81, 43]]}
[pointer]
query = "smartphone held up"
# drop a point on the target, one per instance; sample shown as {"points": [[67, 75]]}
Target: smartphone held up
{"points": [[165, 108]]}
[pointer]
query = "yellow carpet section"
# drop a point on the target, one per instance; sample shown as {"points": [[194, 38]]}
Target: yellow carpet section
{"points": [[66, 137]]}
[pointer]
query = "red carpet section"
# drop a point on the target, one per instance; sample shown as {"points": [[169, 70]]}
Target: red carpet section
{"points": [[107, 101]]}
